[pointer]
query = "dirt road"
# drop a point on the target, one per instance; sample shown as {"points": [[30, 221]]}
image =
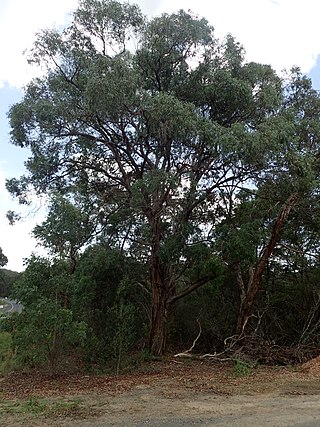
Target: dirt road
{"points": [[144, 408], [174, 396]]}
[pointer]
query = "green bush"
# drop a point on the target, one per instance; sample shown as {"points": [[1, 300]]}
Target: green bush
{"points": [[6, 351], [241, 368]]}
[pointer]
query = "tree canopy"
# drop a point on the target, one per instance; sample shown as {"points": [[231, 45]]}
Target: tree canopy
{"points": [[162, 141]]}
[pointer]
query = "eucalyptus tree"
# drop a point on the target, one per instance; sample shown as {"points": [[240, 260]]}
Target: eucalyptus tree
{"points": [[288, 184], [157, 125]]}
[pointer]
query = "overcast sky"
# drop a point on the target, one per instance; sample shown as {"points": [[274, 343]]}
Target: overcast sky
{"points": [[282, 33]]}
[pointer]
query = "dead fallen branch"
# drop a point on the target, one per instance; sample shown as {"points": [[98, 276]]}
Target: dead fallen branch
{"points": [[187, 353]]}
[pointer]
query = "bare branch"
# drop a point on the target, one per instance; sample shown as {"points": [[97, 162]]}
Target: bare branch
{"points": [[187, 352]]}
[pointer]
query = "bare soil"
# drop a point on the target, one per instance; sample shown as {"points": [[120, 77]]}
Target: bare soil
{"points": [[165, 394]]}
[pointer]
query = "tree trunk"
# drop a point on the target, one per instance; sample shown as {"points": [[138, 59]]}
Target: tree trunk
{"points": [[164, 293], [159, 317], [248, 295], [160, 293]]}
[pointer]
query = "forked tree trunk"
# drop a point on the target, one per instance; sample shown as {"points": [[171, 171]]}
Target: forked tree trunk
{"points": [[164, 296], [249, 293]]}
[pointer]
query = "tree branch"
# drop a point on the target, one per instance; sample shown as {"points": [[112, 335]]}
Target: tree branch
{"points": [[191, 288]]}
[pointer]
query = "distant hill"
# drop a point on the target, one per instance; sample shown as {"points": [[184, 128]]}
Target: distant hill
{"points": [[7, 279]]}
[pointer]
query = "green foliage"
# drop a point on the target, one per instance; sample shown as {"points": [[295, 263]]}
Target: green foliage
{"points": [[162, 143], [239, 237], [46, 328], [66, 227], [168, 42], [241, 368], [213, 306], [35, 406], [6, 351], [122, 323], [110, 22], [3, 259], [7, 280], [49, 342], [106, 296]]}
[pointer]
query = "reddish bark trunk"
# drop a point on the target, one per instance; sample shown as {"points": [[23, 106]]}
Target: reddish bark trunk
{"points": [[248, 295], [160, 294], [164, 296], [159, 318]]}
